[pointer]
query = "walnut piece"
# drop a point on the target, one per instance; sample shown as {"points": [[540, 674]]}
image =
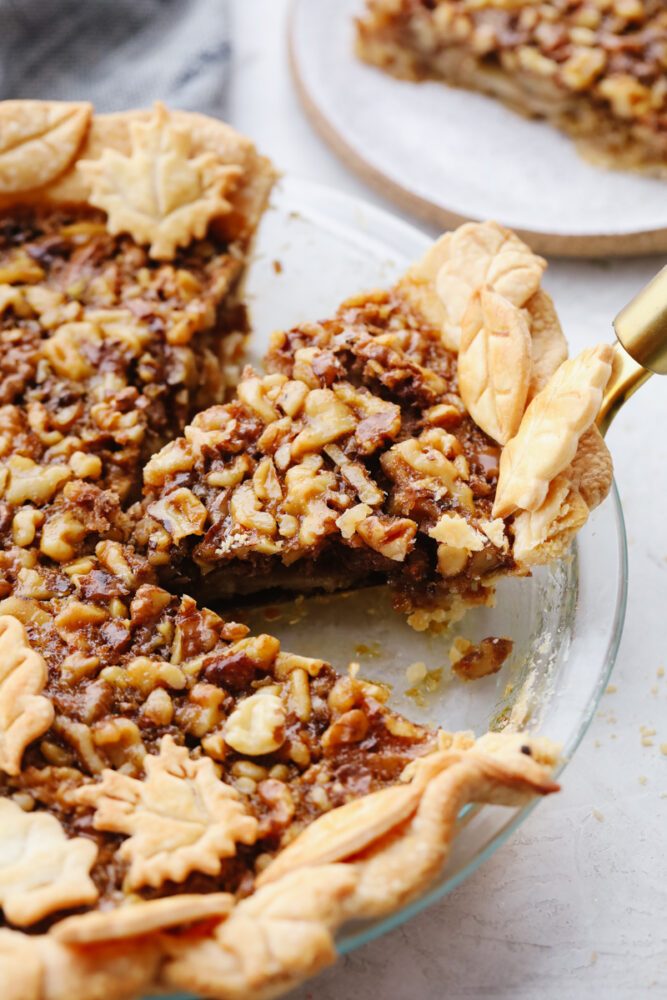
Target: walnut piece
{"points": [[257, 725]]}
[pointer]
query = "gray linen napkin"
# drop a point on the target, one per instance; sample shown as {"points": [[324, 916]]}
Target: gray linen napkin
{"points": [[116, 53]]}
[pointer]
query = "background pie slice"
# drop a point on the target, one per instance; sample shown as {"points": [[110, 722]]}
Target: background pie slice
{"points": [[592, 68]]}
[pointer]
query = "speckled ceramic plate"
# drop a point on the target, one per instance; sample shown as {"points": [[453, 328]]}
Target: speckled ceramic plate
{"points": [[316, 247], [447, 155]]}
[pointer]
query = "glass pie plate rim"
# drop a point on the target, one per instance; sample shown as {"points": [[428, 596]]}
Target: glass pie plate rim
{"points": [[352, 225]]}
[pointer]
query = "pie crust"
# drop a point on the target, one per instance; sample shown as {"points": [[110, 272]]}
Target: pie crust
{"points": [[184, 805], [594, 68]]}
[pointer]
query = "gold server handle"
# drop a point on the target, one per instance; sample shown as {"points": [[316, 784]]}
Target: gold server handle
{"points": [[641, 348]]}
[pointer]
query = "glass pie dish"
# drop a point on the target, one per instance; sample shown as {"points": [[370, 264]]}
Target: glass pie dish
{"points": [[313, 249]]}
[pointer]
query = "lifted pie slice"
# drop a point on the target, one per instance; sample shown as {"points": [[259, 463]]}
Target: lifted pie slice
{"points": [[594, 68], [366, 456]]}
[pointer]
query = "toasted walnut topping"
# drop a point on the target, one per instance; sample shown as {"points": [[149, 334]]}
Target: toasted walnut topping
{"points": [[257, 725], [349, 521], [392, 539], [175, 457], [254, 392], [327, 420], [146, 674], [180, 818], [75, 617], [265, 482], [351, 727], [63, 350], [355, 474], [299, 696], [292, 397], [112, 556], [61, 535], [79, 737], [287, 662], [181, 513], [25, 524], [427, 455], [246, 510], [31, 482], [232, 475], [85, 466]]}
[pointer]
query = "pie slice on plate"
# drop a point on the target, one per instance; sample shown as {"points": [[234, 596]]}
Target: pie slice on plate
{"points": [[593, 68], [434, 436]]}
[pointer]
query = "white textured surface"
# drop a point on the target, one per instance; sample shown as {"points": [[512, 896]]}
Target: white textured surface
{"points": [[574, 904]]}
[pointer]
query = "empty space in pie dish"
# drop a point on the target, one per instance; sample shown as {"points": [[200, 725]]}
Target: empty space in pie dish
{"points": [[314, 248], [447, 154]]}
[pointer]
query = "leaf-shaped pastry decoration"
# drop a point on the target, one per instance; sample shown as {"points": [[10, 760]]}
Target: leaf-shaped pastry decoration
{"points": [[494, 364], [142, 917], [41, 869], [25, 713], [38, 141], [592, 471], [181, 818], [549, 346], [547, 439], [159, 194], [480, 254], [543, 535], [346, 830]]}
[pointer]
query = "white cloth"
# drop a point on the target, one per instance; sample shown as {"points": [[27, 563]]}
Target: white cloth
{"points": [[116, 53]]}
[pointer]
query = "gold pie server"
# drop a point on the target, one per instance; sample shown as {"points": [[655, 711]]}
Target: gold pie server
{"points": [[640, 349]]}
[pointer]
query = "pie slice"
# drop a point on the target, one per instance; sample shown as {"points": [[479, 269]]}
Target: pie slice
{"points": [[122, 241], [432, 436], [200, 802], [594, 69]]}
